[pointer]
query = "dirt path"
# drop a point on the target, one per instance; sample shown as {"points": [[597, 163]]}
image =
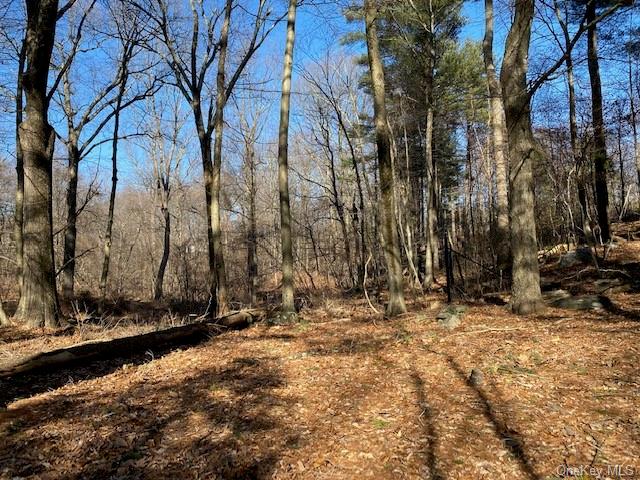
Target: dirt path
{"points": [[349, 398]]}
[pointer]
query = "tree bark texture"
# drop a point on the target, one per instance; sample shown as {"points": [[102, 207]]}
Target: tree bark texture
{"points": [[288, 306], [39, 300], [523, 150], [600, 161], [499, 142], [391, 246]]}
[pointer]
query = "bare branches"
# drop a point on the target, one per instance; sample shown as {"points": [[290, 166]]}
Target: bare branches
{"points": [[65, 8], [74, 47], [584, 26]]}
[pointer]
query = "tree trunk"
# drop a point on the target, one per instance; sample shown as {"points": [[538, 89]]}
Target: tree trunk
{"points": [[430, 211], [634, 123], [599, 134], [337, 201], [221, 282], [70, 234], [207, 166], [19, 213], [431, 214], [498, 136], [526, 295], [112, 196], [396, 303], [252, 244], [39, 301], [288, 307], [166, 245], [586, 234], [621, 167], [358, 211]]}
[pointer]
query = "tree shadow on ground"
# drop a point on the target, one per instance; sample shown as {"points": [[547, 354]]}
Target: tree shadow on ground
{"points": [[511, 439], [349, 345], [614, 309], [427, 417], [220, 422]]}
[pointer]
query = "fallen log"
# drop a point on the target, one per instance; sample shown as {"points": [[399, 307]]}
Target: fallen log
{"points": [[82, 353]]}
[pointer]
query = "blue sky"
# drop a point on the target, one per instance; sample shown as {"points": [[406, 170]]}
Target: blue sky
{"points": [[320, 29]]}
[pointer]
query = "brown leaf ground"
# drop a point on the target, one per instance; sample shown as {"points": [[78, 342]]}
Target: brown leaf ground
{"points": [[347, 395], [344, 395]]}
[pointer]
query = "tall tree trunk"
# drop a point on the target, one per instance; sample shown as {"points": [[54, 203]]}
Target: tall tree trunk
{"points": [[621, 167], [158, 291], [585, 234], [599, 134], [252, 244], [523, 150], [19, 213], [578, 158], [39, 301], [396, 303], [70, 234], [430, 211], [204, 140], [288, 306], [431, 214], [634, 122], [498, 136], [221, 100], [108, 238], [337, 201], [358, 211]]}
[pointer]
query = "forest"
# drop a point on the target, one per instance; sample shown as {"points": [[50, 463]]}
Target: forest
{"points": [[246, 239]]}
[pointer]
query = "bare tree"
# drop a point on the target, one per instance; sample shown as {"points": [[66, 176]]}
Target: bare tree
{"points": [[250, 120], [523, 150], [324, 140], [288, 308], [18, 227], [599, 134], [396, 303], [499, 140], [191, 69], [333, 95], [129, 33], [39, 300], [167, 153], [577, 153]]}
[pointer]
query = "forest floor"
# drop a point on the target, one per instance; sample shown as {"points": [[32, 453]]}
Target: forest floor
{"points": [[346, 394]]}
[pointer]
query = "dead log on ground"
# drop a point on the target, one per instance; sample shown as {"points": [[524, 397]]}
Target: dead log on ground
{"points": [[133, 345]]}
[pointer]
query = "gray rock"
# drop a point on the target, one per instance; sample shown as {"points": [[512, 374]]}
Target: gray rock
{"points": [[452, 321], [582, 255], [582, 302], [451, 316], [613, 285], [476, 378], [554, 295]]}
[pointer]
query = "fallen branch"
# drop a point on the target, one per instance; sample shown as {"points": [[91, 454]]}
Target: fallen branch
{"points": [[364, 286], [133, 345], [486, 330]]}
